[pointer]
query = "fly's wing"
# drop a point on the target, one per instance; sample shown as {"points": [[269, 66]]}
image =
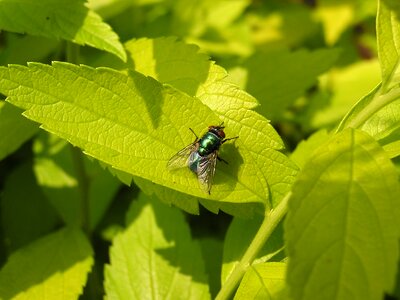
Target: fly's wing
{"points": [[180, 159], [206, 171]]}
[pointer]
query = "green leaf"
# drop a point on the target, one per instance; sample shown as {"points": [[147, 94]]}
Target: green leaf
{"points": [[136, 125], [336, 17], [14, 129], [183, 67], [357, 109], [388, 32], [376, 114], [54, 267], [263, 281], [239, 236], [66, 19], [276, 25], [343, 222], [277, 79], [155, 256], [25, 212], [344, 86]]}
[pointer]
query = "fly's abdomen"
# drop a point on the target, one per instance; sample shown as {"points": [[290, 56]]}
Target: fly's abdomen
{"points": [[209, 143], [193, 161]]}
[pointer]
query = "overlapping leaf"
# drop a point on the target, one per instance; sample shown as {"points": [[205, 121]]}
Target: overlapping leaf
{"points": [[14, 130], [343, 222], [60, 19], [25, 212], [155, 256]]}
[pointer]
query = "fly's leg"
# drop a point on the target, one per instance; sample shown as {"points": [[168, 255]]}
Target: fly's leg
{"points": [[223, 160], [197, 138], [225, 140]]}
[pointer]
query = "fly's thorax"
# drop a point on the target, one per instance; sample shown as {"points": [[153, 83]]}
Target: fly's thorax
{"points": [[209, 143]]}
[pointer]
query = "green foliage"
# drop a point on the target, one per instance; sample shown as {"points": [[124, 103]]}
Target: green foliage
{"points": [[13, 130], [70, 20], [85, 136]]}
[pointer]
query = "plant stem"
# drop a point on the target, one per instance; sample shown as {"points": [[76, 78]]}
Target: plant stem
{"points": [[83, 180], [376, 104], [271, 220], [77, 157]]}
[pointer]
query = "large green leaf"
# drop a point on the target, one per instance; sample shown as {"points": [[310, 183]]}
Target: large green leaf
{"points": [[342, 229], [182, 66], [14, 129], [54, 267], [66, 19], [155, 257], [136, 125]]}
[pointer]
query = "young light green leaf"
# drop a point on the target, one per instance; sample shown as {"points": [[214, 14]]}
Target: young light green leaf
{"points": [[136, 125], [377, 114], [263, 281], [25, 212], [388, 32], [239, 236], [343, 222], [54, 267], [14, 129], [66, 19], [357, 109], [155, 256], [178, 64]]}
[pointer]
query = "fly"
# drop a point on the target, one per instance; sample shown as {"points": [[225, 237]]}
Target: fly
{"points": [[201, 155]]}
